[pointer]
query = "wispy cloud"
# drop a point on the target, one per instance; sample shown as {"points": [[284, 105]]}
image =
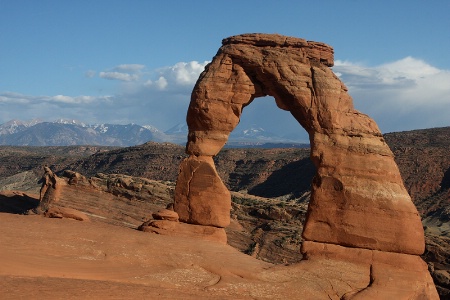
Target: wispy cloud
{"points": [[124, 72], [159, 97], [179, 75], [130, 67], [118, 76], [16, 98], [90, 73]]}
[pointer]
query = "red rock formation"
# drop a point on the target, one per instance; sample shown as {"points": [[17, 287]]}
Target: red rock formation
{"points": [[65, 212], [166, 214], [358, 197], [50, 190], [166, 227], [202, 198]]}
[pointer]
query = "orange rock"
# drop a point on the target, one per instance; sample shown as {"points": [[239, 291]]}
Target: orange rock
{"points": [[166, 214], [200, 195], [358, 197], [165, 227], [65, 212], [391, 275], [360, 215]]}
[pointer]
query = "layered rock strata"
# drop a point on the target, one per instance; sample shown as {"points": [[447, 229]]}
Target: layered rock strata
{"points": [[358, 198]]}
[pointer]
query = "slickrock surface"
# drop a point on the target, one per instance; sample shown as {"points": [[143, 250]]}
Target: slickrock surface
{"points": [[43, 258], [92, 260]]}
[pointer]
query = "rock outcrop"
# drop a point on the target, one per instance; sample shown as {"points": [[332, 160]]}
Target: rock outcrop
{"points": [[358, 198], [65, 212], [49, 191]]}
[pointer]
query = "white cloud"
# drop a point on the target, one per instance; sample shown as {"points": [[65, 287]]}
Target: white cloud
{"points": [[161, 83], [16, 98], [119, 76], [186, 73], [157, 97], [10, 97], [401, 95], [49, 108], [130, 67], [170, 78], [124, 72], [74, 100]]}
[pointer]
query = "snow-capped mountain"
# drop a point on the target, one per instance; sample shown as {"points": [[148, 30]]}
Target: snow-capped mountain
{"points": [[178, 133], [64, 132], [180, 128], [70, 122], [256, 136], [253, 132], [14, 126]]}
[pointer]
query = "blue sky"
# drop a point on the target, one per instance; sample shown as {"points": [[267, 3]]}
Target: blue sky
{"points": [[137, 61]]}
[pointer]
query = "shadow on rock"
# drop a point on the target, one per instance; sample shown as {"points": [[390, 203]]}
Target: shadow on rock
{"points": [[17, 202]]}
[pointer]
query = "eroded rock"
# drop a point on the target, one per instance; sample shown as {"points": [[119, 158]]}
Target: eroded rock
{"points": [[166, 227], [359, 208], [389, 275], [65, 212], [200, 196], [49, 192], [358, 198], [166, 214]]}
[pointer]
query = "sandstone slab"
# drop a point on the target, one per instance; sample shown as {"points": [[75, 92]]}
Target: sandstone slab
{"points": [[165, 227], [66, 212], [69, 260]]}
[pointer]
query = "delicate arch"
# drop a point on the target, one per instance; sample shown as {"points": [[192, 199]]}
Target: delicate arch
{"points": [[358, 197]]}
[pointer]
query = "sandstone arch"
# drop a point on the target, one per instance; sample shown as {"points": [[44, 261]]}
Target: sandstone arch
{"points": [[358, 197]]}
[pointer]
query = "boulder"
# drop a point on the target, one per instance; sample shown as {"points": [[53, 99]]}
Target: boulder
{"points": [[65, 212], [166, 214]]}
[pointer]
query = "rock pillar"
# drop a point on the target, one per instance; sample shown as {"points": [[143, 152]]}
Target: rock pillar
{"points": [[200, 196]]}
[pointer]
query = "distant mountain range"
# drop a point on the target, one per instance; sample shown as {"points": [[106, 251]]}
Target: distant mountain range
{"points": [[63, 132]]}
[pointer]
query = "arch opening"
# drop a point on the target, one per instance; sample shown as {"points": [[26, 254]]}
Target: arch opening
{"points": [[276, 125], [283, 174]]}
